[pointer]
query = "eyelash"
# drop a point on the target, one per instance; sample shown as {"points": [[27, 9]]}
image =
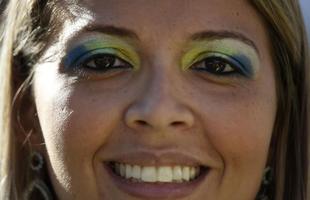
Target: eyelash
{"points": [[92, 62], [220, 65]]}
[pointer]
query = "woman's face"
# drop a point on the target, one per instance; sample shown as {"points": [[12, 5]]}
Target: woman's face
{"points": [[158, 99]]}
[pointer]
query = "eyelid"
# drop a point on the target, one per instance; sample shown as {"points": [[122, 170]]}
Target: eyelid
{"points": [[233, 48], [112, 44], [234, 62], [84, 55], [117, 53]]}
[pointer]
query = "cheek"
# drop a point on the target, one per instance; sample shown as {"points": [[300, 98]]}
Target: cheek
{"points": [[242, 131], [52, 98], [239, 122], [94, 118], [75, 121], [74, 113]]}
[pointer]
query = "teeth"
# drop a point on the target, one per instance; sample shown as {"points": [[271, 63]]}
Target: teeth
{"points": [[164, 174], [192, 173], [177, 173], [128, 171], [136, 172], [151, 174], [185, 173], [122, 171]]}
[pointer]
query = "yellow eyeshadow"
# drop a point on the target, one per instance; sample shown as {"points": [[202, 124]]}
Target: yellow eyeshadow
{"points": [[196, 51], [108, 44]]}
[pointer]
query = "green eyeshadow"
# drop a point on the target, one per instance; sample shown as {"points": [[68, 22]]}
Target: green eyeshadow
{"points": [[105, 44], [233, 51]]}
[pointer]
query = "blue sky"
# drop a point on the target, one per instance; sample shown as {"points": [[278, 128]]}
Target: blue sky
{"points": [[305, 5]]}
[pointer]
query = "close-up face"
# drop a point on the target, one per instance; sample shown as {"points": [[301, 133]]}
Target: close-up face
{"points": [[158, 100]]}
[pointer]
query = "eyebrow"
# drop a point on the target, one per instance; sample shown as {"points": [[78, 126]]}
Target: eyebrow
{"points": [[112, 30], [203, 35], [223, 35]]}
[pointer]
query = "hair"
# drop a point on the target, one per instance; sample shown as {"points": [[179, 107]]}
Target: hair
{"points": [[27, 26], [290, 137]]}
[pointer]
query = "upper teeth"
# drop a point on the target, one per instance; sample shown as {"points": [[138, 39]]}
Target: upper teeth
{"points": [[157, 174]]}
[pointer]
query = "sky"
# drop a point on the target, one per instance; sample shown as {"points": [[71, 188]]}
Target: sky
{"points": [[305, 6]]}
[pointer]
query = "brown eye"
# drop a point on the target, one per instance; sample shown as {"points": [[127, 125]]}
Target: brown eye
{"points": [[215, 65], [104, 62]]}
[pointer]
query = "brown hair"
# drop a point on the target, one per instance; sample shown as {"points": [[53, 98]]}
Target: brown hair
{"points": [[29, 25], [289, 147]]}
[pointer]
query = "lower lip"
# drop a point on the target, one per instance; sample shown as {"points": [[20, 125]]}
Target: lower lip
{"points": [[156, 190]]}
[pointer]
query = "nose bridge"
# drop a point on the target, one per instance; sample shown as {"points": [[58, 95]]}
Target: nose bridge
{"points": [[162, 77], [159, 89], [158, 99], [159, 105]]}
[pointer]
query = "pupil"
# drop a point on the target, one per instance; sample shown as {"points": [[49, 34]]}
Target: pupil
{"points": [[106, 61], [216, 66]]}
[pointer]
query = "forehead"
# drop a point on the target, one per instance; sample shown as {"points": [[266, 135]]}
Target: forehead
{"points": [[155, 19]]}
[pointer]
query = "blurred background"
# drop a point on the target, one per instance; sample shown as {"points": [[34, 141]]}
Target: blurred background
{"points": [[305, 5]]}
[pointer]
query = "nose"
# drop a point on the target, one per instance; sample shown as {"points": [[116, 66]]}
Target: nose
{"points": [[159, 107]]}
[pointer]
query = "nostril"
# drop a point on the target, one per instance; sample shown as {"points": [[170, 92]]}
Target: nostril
{"points": [[141, 122], [177, 123]]}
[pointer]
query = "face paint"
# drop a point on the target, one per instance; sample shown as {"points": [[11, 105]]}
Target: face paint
{"points": [[240, 56], [105, 44]]}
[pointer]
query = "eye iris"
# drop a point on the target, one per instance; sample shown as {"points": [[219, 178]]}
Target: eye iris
{"points": [[105, 61], [216, 66]]}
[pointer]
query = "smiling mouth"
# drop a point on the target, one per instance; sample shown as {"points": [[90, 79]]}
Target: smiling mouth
{"points": [[157, 174]]}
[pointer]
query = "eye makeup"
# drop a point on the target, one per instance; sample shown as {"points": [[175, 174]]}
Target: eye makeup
{"points": [[240, 55], [103, 44]]}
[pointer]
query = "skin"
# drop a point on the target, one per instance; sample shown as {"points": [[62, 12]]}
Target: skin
{"points": [[88, 117]]}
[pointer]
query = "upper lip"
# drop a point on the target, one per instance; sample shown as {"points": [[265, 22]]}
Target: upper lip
{"points": [[157, 158]]}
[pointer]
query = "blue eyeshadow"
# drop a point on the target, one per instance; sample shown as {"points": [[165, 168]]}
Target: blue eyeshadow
{"points": [[246, 64], [75, 54]]}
